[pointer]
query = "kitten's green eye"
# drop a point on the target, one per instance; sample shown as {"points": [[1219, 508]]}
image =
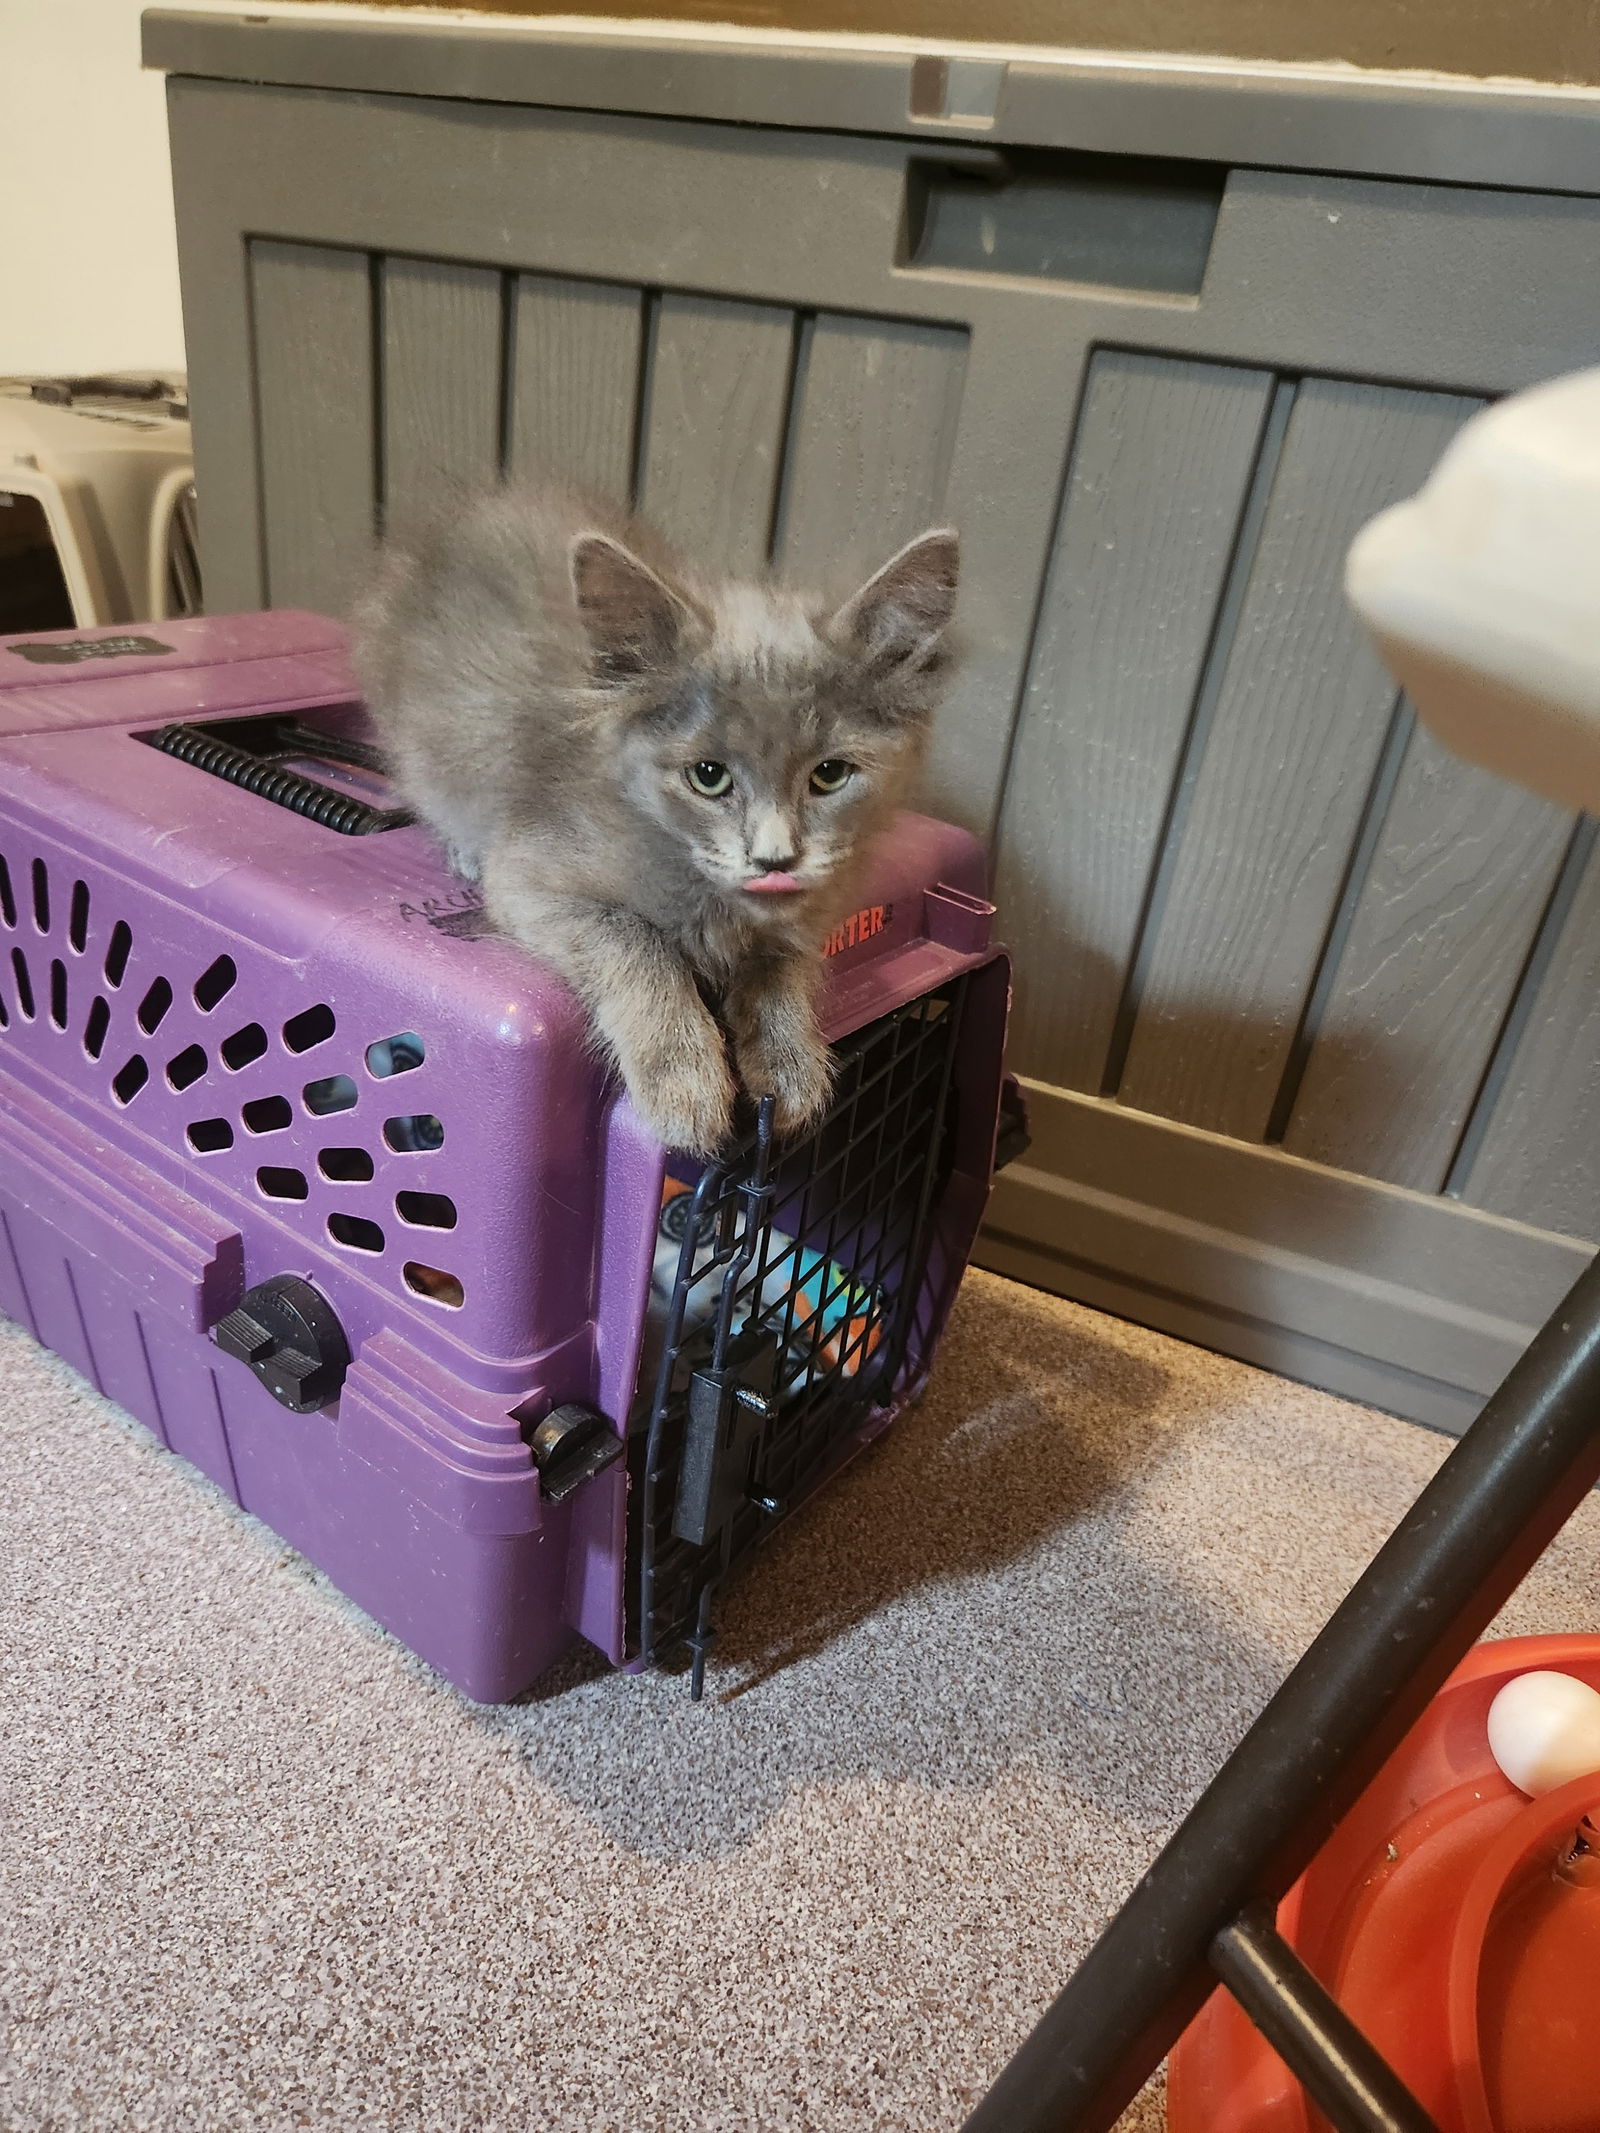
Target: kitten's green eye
{"points": [[710, 780], [833, 775]]}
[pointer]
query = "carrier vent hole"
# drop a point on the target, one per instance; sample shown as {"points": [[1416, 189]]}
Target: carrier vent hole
{"points": [[315, 1026], [414, 1135], [58, 993], [337, 1093], [215, 984], [41, 896], [8, 902], [153, 1007], [207, 1135], [356, 1231], [243, 1046], [187, 1068], [78, 917], [432, 1282], [5, 1018], [19, 967], [346, 1166], [428, 1210], [117, 951], [94, 1029], [129, 1080], [395, 1055], [268, 1114], [282, 1184]]}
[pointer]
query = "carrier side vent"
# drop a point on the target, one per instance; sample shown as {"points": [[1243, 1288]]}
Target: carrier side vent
{"points": [[227, 1086]]}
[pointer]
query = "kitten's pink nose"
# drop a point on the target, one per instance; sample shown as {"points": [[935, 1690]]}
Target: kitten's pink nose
{"points": [[773, 884]]}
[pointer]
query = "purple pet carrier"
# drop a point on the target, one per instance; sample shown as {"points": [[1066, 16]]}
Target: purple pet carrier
{"points": [[322, 1184]]}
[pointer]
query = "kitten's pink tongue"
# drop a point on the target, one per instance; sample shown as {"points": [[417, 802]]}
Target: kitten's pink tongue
{"points": [[772, 885]]}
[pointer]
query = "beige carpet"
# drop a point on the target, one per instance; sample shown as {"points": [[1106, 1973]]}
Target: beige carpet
{"points": [[258, 1868]]}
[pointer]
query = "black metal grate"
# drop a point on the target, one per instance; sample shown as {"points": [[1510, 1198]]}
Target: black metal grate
{"points": [[795, 1292]]}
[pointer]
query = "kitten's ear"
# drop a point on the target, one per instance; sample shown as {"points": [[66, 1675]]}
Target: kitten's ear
{"points": [[635, 621], [899, 615]]}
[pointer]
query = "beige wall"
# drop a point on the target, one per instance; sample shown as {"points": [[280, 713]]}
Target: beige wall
{"points": [[1547, 40], [88, 252], [88, 260]]}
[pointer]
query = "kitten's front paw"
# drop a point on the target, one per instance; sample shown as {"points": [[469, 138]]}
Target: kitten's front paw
{"points": [[686, 1098], [798, 1073]]}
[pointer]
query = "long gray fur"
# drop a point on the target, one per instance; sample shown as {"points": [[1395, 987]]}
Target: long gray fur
{"points": [[545, 674]]}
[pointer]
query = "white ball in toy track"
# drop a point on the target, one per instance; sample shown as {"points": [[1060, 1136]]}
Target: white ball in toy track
{"points": [[1544, 1731]]}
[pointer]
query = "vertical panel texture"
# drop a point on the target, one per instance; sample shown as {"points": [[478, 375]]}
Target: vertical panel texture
{"points": [[1279, 794], [1539, 1160], [1160, 469], [314, 402], [442, 336], [875, 409], [1441, 930], [717, 402], [575, 388]]}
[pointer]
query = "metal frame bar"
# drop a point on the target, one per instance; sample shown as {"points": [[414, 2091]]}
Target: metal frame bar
{"points": [[1353, 2086], [1429, 1594]]}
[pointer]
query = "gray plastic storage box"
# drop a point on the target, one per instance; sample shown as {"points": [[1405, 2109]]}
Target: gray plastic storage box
{"points": [[1310, 1012]]}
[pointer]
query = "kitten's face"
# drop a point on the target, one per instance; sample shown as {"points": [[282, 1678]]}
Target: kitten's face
{"points": [[780, 740], [769, 784]]}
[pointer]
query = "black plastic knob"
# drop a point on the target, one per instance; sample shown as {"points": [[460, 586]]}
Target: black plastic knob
{"points": [[290, 1336], [572, 1443]]}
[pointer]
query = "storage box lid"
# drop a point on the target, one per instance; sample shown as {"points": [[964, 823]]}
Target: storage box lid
{"points": [[1326, 117]]}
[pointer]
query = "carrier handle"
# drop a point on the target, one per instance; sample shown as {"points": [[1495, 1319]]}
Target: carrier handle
{"points": [[262, 770]]}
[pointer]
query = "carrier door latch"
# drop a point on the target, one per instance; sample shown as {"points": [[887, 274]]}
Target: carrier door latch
{"points": [[287, 1333], [570, 1445], [728, 1411]]}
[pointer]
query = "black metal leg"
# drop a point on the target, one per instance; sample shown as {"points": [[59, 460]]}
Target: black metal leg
{"points": [[1356, 2090], [1434, 1587]]}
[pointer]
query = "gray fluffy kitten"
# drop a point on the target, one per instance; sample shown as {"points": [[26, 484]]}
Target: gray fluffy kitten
{"points": [[664, 782]]}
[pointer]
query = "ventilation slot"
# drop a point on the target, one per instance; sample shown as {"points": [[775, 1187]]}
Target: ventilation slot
{"points": [[426, 1210], [395, 1055], [337, 1093], [129, 1080], [282, 1184], [117, 952], [5, 1018], [58, 993], [243, 1046], [187, 1068], [416, 1135], [215, 984], [8, 902], [268, 1114], [19, 966], [345, 1166], [315, 1026], [356, 1231], [94, 1029], [41, 896], [207, 1135], [432, 1282], [153, 1007], [78, 917]]}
